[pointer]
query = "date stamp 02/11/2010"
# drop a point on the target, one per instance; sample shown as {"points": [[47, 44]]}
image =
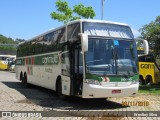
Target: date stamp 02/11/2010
{"points": [[135, 103]]}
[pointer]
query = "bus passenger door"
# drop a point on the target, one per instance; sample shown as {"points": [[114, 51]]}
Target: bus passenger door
{"points": [[72, 74], [76, 69], [65, 60]]}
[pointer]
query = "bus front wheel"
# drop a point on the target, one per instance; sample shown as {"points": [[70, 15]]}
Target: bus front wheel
{"points": [[59, 89]]}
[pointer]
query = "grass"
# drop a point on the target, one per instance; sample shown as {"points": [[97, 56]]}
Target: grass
{"points": [[152, 89]]}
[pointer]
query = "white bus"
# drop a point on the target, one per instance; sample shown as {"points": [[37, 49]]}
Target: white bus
{"points": [[84, 58]]}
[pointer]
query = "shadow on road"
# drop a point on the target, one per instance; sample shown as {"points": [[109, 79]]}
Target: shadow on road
{"points": [[48, 99]]}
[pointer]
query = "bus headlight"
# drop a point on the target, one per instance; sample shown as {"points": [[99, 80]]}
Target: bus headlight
{"points": [[95, 82], [135, 82]]}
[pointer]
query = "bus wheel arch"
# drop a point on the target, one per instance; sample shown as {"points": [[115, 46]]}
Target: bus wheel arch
{"points": [[59, 88], [148, 80]]}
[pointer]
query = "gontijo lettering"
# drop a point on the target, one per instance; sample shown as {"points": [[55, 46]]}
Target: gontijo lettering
{"points": [[147, 66], [50, 59]]}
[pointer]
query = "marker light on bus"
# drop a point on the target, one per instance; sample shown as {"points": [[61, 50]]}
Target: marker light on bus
{"points": [[95, 82]]}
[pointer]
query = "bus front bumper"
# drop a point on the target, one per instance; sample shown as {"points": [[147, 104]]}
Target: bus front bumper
{"points": [[97, 91]]}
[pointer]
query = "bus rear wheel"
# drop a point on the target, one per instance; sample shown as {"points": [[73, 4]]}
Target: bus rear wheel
{"points": [[148, 80], [24, 81]]}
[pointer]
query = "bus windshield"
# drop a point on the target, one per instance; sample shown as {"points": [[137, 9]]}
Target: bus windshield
{"points": [[111, 57]]}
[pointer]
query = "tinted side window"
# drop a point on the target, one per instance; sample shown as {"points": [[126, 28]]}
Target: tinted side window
{"points": [[73, 31], [47, 43]]}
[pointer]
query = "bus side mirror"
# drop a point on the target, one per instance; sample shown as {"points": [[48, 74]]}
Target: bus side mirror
{"points": [[146, 47], [84, 42]]}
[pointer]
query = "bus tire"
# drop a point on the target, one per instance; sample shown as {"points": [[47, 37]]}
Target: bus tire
{"points": [[24, 81], [141, 80], [21, 76], [59, 88], [149, 80]]}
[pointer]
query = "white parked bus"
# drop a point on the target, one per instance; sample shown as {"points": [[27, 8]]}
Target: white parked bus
{"points": [[84, 58]]}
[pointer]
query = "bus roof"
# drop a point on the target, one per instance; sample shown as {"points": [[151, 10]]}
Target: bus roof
{"points": [[98, 21], [76, 21]]}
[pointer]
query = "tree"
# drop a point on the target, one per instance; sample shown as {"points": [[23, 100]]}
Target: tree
{"points": [[151, 32], [66, 14]]}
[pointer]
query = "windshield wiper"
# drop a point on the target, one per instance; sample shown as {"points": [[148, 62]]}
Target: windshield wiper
{"points": [[114, 57], [95, 61]]}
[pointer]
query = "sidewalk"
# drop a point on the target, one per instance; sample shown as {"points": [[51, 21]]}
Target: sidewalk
{"points": [[12, 100]]}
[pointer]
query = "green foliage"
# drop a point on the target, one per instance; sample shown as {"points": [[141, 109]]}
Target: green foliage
{"points": [[85, 12], [5, 40], [19, 40], [7, 48], [153, 89], [151, 32], [66, 14]]}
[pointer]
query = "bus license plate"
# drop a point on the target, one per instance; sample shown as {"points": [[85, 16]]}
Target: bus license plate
{"points": [[116, 91]]}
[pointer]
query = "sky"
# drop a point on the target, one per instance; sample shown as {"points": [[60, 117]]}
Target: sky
{"points": [[26, 19]]}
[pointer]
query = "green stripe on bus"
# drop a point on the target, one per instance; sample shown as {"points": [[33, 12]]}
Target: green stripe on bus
{"points": [[20, 61], [46, 59], [50, 59], [113, 78]]}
